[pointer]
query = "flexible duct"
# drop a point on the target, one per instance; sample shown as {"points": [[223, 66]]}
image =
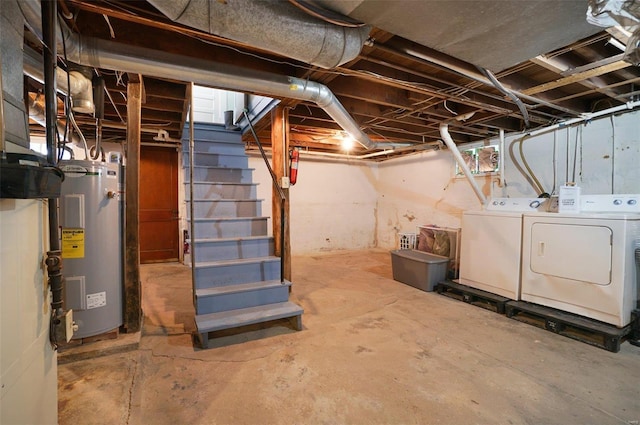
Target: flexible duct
{"points": [[107, 54], [273, 25]]}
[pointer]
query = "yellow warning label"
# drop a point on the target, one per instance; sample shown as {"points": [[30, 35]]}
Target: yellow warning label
{"points": [[72, 243]]}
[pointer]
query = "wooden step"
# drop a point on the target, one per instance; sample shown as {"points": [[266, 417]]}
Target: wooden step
{"points": [[229, 227], [220, 174], [211, 134], [231, 272], [232, 248], [220, 190], [245, 295], [214, 208], [211, 322], [215, 159]]}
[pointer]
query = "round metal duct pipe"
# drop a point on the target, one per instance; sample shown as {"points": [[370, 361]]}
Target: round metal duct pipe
{"points": [[272, 25], [98, 53]]}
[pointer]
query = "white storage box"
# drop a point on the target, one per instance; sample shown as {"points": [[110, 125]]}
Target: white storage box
{"points": [[418, 269]]}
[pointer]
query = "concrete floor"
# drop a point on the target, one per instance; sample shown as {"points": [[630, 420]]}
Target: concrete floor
{"points": [[373, 351]]}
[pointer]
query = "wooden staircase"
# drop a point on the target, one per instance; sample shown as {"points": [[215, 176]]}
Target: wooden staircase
{"points": [[236, 280]]}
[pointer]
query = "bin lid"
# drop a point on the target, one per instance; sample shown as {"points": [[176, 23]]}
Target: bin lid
{"points": [[421, 256]]}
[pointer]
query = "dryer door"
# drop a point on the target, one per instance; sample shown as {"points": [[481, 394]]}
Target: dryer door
{"points": [[572, 251]]}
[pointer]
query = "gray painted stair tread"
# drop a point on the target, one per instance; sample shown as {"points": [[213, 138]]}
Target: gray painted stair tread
{"points": [[241, 287], [213, 219], [236, 262], [226, 200], [242, 155], [246, 316], [222, 183], [239, 239], [217, 167]]}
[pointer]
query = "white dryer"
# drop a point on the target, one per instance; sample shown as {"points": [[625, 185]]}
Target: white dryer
{"points": [[584, 263], [490, 247]]}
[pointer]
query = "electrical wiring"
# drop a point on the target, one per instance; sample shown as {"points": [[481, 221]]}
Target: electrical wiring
{"points": [[327, 15], [456, 92], [447, 108], [508, 93]]}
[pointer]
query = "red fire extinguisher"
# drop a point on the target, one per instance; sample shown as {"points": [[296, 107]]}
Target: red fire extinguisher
{"points": [[294, 156]]}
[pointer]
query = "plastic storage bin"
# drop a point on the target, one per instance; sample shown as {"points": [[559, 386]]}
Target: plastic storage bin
{"points": [[418, 269]]}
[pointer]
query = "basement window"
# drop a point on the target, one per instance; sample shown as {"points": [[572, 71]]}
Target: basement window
{"points": [[481, 159]]}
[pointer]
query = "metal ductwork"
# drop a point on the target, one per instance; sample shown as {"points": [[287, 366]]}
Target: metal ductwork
{"points": [[89, 51], [37, 112], [74, 83], [273, 25], [15, 123]]}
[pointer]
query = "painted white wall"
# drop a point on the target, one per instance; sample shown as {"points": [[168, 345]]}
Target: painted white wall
{"points": [[421, 189], [335, 202], [28, 365], [605, 151]]}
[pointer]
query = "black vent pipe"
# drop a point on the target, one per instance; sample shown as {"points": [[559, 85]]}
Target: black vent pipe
{"points": [[54, 255]]}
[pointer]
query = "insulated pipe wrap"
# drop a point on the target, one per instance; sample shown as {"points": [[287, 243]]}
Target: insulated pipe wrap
{"points": [[273, 25]]}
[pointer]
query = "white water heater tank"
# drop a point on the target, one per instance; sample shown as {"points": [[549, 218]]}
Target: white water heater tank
{"points": [[91, 231]]}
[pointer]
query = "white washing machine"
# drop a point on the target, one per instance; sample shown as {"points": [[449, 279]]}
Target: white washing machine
{"points": [[490, 248], [584, 263]]}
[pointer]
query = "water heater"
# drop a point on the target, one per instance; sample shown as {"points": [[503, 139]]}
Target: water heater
{"points": [[91, 231]]}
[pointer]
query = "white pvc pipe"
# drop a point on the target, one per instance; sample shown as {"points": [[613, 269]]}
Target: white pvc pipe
{"points": [[501, 159], [585, 117], [446, 137]]}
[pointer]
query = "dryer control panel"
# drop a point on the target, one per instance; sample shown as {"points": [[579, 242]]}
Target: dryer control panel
{"points": [[610, 203], [516, 204]]}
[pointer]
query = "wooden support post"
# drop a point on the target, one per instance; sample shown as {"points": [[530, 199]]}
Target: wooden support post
{"points": [[132, 291], [280, 163]]}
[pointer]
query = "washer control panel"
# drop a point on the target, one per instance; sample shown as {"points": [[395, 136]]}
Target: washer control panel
{"points": [[515, 204], [610, 203]]}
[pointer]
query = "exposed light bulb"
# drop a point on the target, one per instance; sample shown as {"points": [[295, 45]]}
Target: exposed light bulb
{"points": [[347, 143]]}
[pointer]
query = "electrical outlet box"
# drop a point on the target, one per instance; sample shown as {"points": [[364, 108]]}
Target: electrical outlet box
{"points": [[66, 327], [285, 183]]}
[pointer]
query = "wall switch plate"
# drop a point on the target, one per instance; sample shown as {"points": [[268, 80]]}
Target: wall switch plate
{"points": [[285, 183]]}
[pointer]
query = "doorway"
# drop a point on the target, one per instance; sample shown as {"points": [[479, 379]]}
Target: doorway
{"points": [[158, 204]]}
